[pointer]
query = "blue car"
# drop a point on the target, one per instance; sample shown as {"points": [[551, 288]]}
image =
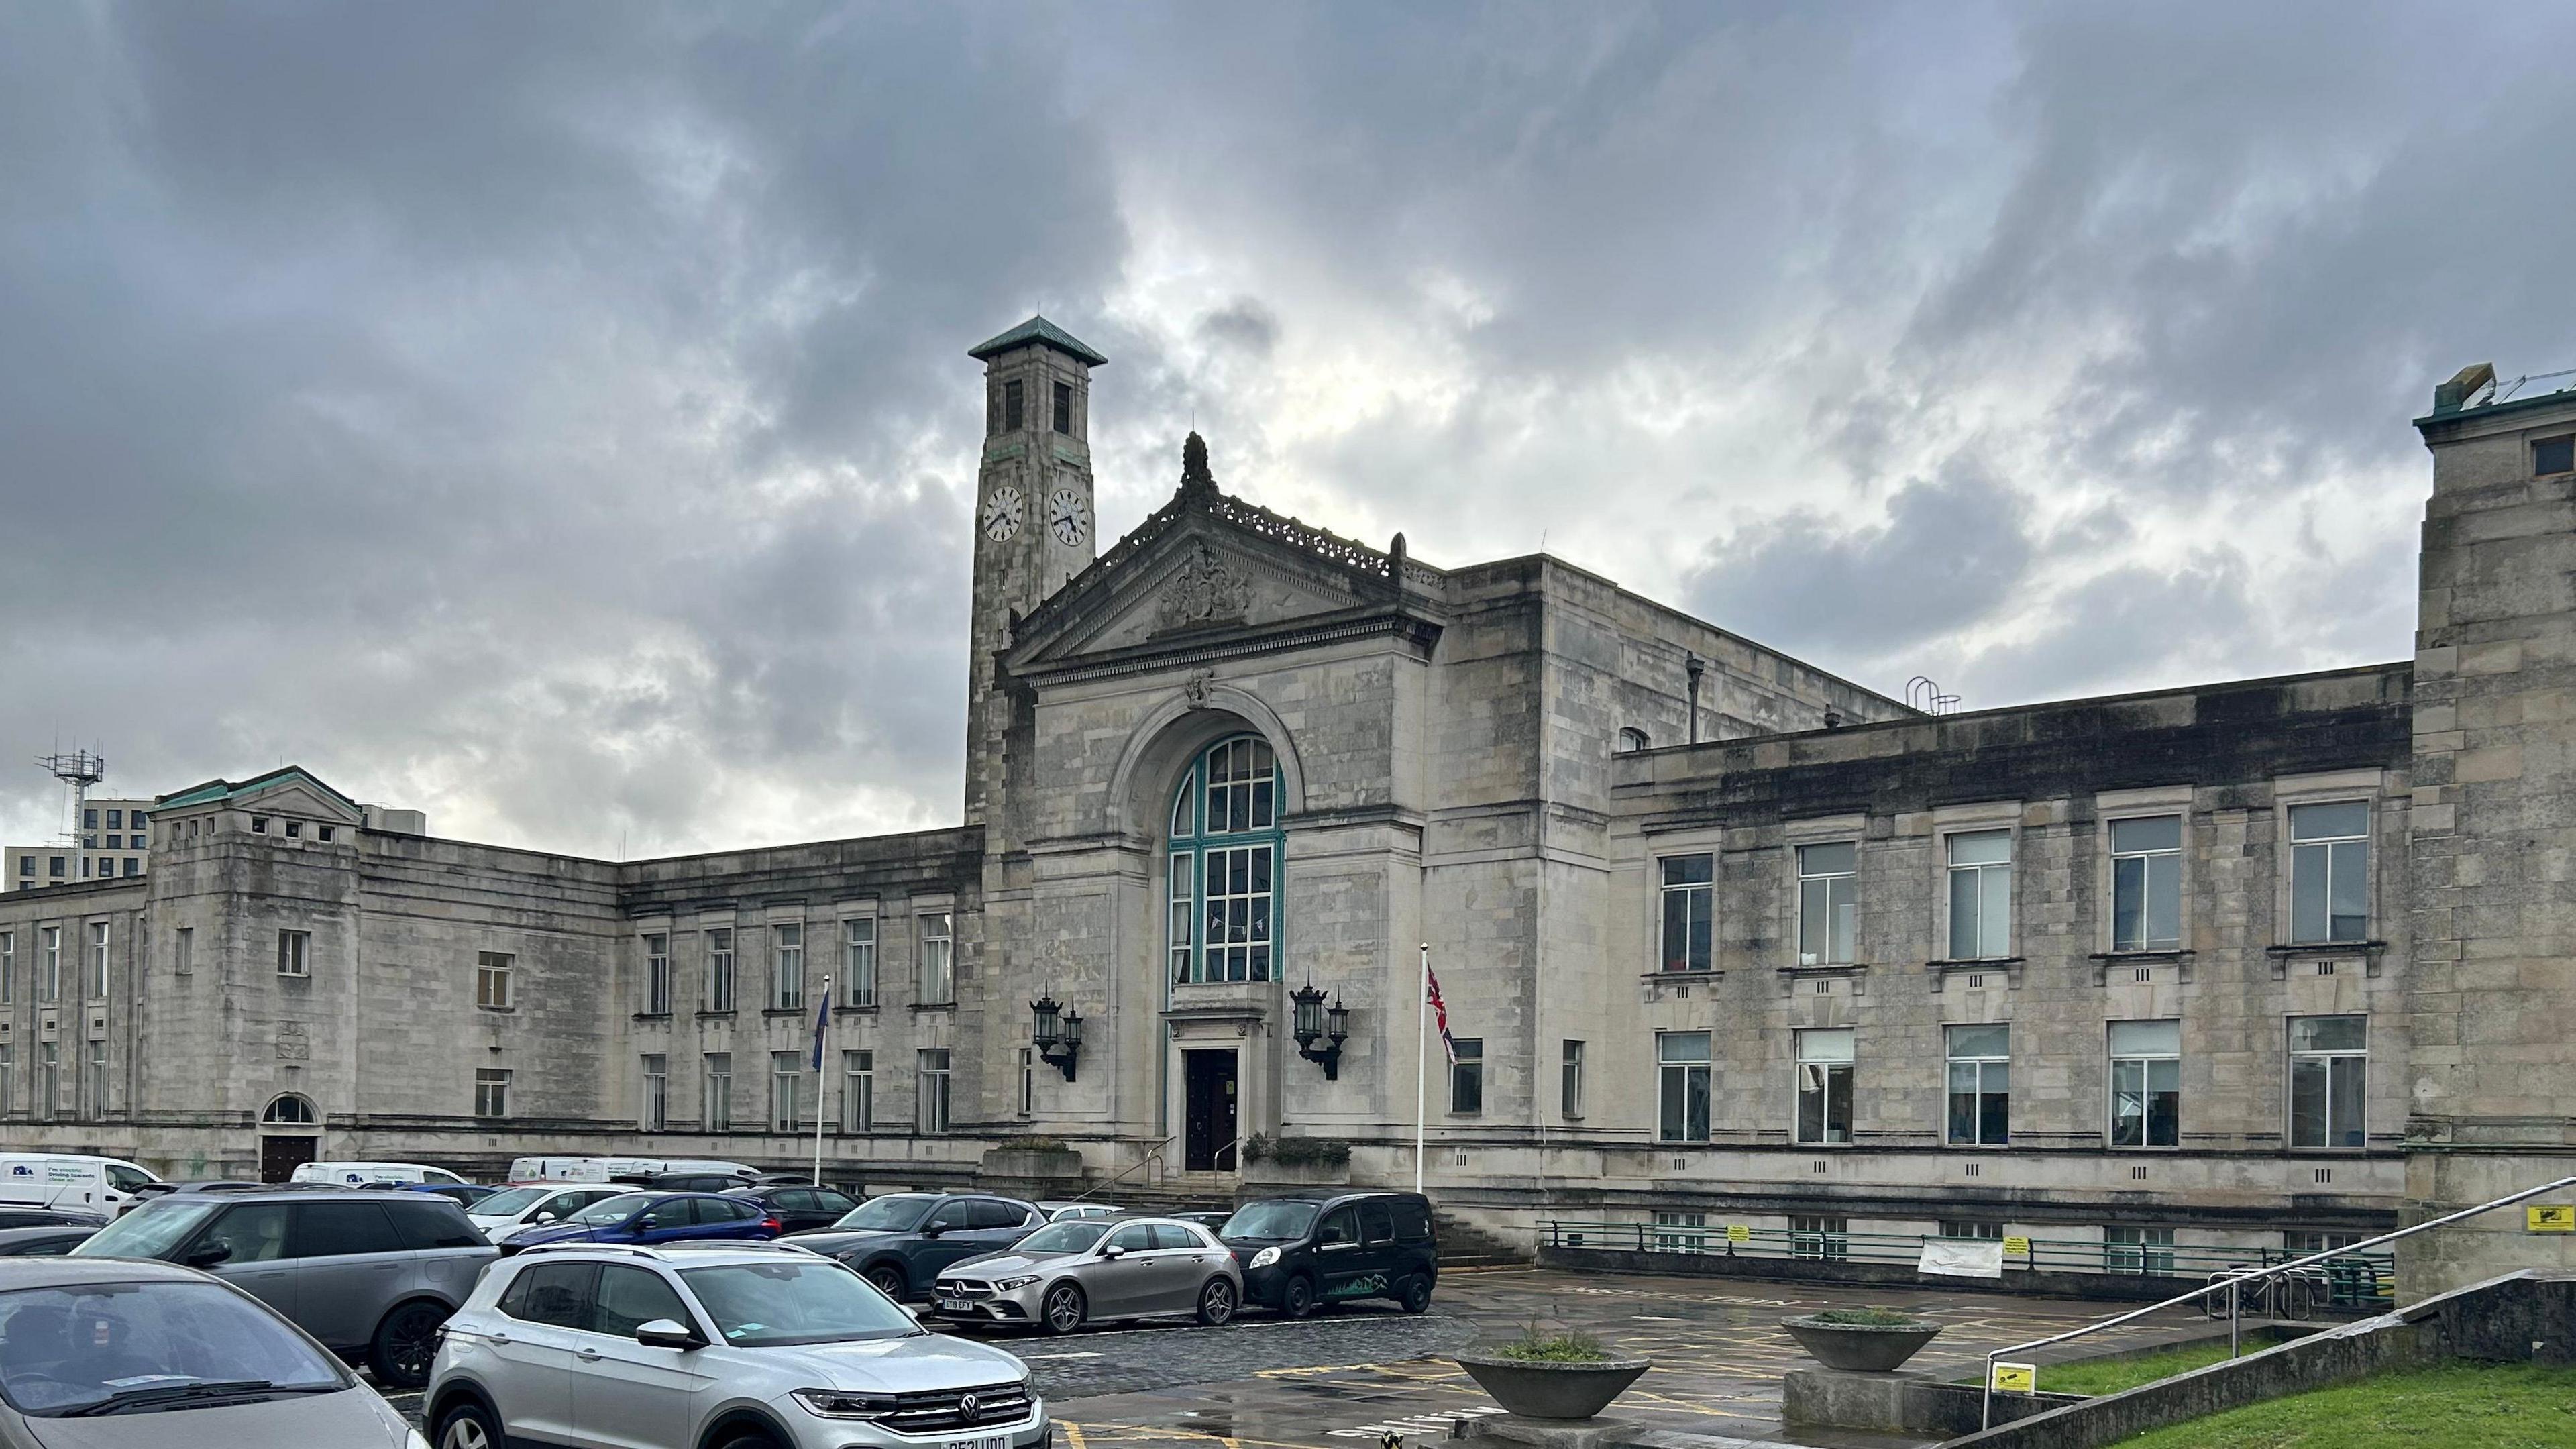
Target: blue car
{"points": [[655, 1217]]}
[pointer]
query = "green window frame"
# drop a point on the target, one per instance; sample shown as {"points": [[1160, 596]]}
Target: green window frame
{"points": [[1221, 876]]}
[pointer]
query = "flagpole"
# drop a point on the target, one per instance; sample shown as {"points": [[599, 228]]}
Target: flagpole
{"points": [[1421, 1059], [821, 1015]]}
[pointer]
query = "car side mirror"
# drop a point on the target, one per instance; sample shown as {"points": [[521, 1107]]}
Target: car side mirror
{"points": [[933, 1230], [545, 1218], [1113, 1251], [668, 1333], [208, 1256]]}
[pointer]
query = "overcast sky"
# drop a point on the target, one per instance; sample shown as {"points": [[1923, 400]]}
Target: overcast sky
{"points": [[556, 417]]}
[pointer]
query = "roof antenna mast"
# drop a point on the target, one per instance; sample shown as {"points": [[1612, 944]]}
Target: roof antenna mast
{"points": [[78, 771]]}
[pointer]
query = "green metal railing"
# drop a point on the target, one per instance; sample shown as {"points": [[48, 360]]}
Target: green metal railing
{"points": [[2355, 1282]]}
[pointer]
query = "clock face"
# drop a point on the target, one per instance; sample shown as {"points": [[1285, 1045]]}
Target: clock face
{"points": [[1067, 517], [1002, 513]]}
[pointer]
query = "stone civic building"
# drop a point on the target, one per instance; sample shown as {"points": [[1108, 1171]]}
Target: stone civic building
{"points": [[1723, 937]]}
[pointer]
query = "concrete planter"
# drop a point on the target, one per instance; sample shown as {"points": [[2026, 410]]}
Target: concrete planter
{"points": [[1270, 1172], [1861, 1347], [1025, 1166], [1552, 1390]]}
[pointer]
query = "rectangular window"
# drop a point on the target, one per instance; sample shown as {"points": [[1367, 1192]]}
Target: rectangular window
{"points": [[1063, 408], [787, 968], [8, 1079], [293, 948], [1828, 903], [1185, 913], [1680, 1242], [858, 1092], [1236, 907], [936, 978], [183, 955], [1980, 1085], [94, 1081], [657, 974], [2134, 1250], [492, 979], [491, 1092], [2300, 1242], [654, 1113], [719, 1092], [8, 967], [133, 867], [2146, 884], [54, 866], [49, 963], [1467, 1076], [1014, 406], [116, 842], [89, 820], [1688, 900], [295, 830], [1980, 894], [2330, 872], [327, 833], [2146, 1083], [2329, 1071], [2553, 455], [930, 1091], [1825, 1086], [1974, 1232], [136, 820], [1570, 1081], [26, 865], [116, 820], [859, 960], [785, 1071], [98, 960], [1827, 1239], [720, 970], [1681, 1086], [49, 1080], [1028, 1080]]}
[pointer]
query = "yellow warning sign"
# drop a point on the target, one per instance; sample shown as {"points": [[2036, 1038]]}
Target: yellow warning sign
{"points": [[2016, 1378], [2554, 1218], [2017, 1246], [1739, 1233]]}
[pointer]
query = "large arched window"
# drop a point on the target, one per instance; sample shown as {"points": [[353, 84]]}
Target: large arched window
{"points": [[1225, 865], [289, 1110]]}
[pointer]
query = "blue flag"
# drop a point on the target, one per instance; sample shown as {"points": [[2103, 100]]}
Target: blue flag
{"points": [[822, 1018]]}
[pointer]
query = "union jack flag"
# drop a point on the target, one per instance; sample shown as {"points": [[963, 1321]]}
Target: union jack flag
{"points": [[1439, 1012]]}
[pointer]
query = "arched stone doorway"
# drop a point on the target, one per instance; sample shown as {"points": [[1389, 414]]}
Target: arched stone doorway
{"points": [[290, 1135]]}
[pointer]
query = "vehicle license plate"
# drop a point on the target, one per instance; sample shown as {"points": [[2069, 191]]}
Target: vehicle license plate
{"points": [[998, 1441], [955, 1305]]}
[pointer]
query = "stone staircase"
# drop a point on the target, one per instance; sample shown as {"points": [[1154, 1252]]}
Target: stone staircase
{"points": [[1466, 1245]]}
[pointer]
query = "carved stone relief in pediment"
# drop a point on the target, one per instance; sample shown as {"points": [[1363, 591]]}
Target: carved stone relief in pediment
{"points": [[1201, 592]]}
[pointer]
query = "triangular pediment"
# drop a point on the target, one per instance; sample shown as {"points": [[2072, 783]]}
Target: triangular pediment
{"points": [[288, 791], [1201, 580]]}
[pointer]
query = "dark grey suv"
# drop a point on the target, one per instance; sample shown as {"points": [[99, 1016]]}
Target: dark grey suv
{"points": [[371, 1274]]}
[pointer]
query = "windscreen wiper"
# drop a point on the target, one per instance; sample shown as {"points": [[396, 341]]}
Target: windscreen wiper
{"points": [[143, 1398]]}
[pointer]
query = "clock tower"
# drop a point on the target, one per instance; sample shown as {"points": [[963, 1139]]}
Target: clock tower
{"points": [[1033, 521]]}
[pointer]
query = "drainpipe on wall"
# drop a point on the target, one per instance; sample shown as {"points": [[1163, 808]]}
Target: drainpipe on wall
{"points": [[1696, 666]]}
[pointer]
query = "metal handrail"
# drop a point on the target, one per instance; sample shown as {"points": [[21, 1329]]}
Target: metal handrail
{"points": [[2235, 1285], [2091, 1256], [1152, 1155]]}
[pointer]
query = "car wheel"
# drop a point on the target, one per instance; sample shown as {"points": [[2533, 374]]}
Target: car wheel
{"points": [[405, 1343], [1063, 1309], [469, 1426], [1414, 1293], [888, 1280], [1297, 1300], [1216, 1302], [753, 1440]]}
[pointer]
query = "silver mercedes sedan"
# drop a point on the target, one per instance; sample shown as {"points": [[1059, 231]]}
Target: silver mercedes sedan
{"points": [[1086, 1270]]}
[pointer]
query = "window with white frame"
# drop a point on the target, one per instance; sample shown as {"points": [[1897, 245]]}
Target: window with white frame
{"points": [[1691, 1237], [1467, 1076], [719, 1092], [786, 1072], [2330, 872], [8, 967], [654, 1113], [859, 960], [1828, 903], [492, 970], [2302, 1242], [1688, 892], [1681, 1086], [2329, 1075], [1222, 871], [657, 974], [1570, 1081], [491, 1092], [2146, 1083], [294, 949], [935, 980], [1825, 1086], [8, 1079], [1980, 1085], [98, 960], [94, 1081], [930, 1090], [720, 970], [49, 1080], [49, 963], [787, 967], [2146, 883], [2137, 1250], [1980, 894], [1028, 1080], [858, 1091], [1824, 1238], [1973, 1232]]}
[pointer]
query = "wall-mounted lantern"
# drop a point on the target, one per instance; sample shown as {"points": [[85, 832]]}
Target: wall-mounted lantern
{"points": [[1056, 1031], [1315, 1024]]}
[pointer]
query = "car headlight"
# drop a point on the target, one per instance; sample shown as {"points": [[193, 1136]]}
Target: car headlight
{"points": [[1265, 1257], [841, 1404], [1007, 1284]]}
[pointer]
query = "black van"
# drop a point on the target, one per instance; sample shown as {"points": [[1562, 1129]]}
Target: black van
{"points": [[1307, 1248]]}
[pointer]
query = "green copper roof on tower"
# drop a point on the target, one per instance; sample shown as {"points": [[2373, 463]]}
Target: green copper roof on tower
{"points": [[1040, 331]]}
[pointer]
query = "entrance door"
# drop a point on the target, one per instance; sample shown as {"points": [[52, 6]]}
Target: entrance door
{"points": [[1208, 1137], [280, 1156]]}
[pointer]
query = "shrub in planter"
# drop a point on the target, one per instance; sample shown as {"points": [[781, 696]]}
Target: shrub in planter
{"points": [[1297, 1151], [1552, 1376], [1868, 1340]]}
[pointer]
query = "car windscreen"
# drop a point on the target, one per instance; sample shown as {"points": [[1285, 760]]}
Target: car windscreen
{"points": [[613, 1209], [1066, 1237], [1269, 1221], [768, 1305], [106, 1348], [153, 1230], [508, 1200], [894, 1213]]}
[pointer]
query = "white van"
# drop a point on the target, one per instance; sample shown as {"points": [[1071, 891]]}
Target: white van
{"points": [[359, 1174], [606, 1169], [102, 1185]]}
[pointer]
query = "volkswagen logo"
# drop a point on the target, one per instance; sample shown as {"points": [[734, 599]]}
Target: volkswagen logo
{"points": [[967, 1404]]}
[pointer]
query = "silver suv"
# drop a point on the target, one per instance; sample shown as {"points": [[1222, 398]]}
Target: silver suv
{"points": [[730, 1345]]}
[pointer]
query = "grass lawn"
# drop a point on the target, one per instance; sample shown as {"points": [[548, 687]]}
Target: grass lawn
{"points": [[2110, 1376], [2456, 1406]]}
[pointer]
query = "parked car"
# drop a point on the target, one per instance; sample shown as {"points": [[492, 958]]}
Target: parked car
{"points": [[151, 1190], [37, 1217], [654, 1217], [699, 1180], [1080, 1270], [800, 1208], [369, 1174], [1057, 1212], [540, 1204], [902, 1240], [463, 1194], [43, 1242], [1302, 1249], [83, 1338], [712, 1344], [370, 1274], [102, 1185]]}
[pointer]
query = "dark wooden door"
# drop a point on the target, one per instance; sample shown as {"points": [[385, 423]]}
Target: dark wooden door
{"points": [[280, 1156], [1208, 1136]]}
